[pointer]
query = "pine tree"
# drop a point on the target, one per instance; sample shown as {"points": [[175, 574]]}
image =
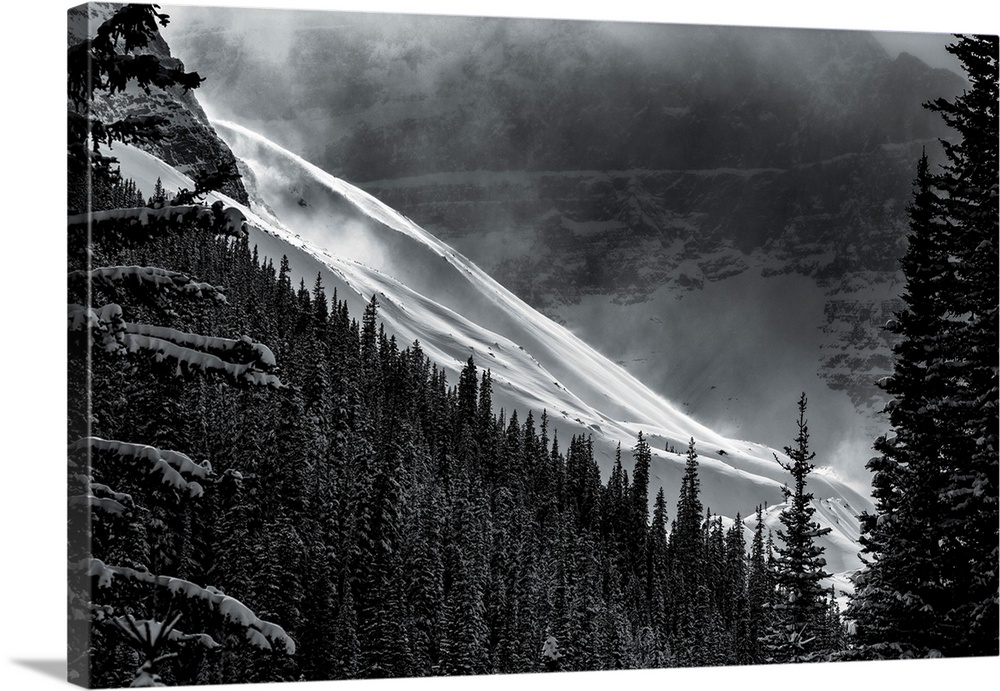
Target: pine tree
{"points": [[795, 633], [109, 488], [760, 592], [969, 184], [159, 197], [613, 500], [734, 596], [690, 616], [685, 538], [930, 584], [142, 509], [657, 577], [468, 394], [640, 484], [638, 511]]}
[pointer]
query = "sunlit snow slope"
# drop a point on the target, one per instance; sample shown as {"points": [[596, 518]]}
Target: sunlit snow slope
{"points": [[429, 292]]}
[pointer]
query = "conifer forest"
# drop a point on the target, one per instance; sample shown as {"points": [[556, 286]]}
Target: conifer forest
{"points": [[265, 484]]}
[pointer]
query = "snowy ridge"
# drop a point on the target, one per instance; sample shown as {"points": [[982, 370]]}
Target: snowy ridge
{"points": [[429, 292], [494, 305]]}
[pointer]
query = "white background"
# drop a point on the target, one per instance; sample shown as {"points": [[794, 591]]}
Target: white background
{"points": [[32, 376]]}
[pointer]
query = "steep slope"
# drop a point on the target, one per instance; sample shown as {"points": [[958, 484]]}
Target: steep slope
{"points": [[621, 177], [360, 247]]}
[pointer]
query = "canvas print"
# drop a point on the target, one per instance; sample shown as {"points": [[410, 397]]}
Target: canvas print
{"points": [[405, 345]]}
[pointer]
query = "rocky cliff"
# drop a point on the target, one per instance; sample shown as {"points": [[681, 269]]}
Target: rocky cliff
{"points": [[189, 142]]}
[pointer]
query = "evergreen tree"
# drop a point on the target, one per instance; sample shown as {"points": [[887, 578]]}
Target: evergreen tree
{"points": [[121, 586], [734, 603], [657, 562], [798, 622], [970, 521], [159, 196], [930, 584], [760, 592], [689, 606], [685, 538], [640, 485]]}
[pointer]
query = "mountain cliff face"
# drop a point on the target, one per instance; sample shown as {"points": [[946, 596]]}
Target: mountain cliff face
{"points": [[618, 177], [189, 143]]}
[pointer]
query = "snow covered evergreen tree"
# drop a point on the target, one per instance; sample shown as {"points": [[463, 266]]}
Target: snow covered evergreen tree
{"points": [[119, 488], [930, 586], [760, 592], [690, 618], [134, 507], [800, 608]]}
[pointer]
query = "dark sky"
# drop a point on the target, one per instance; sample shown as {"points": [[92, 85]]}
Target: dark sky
{"points": [[922, 30], [921, 16]]}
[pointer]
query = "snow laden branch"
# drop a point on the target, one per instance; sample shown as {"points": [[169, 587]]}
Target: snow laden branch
{"points": [[262, 634], [240, 350], [143, 222], [101, 497], [104, 323], [241, 360], [152, 634], [188, 360], [171, 466], [150, 278]]}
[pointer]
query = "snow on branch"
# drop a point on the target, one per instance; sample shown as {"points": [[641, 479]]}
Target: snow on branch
{"points": [[102, 497], [151, 277], [190, 360], [104, 322], [170, 465], [144, 222], [263, 634], [242, 349], [106, 504], [113, 334]]}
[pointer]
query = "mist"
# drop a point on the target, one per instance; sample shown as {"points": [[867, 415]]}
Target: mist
{"points": [[493, 134], [735, 356]]}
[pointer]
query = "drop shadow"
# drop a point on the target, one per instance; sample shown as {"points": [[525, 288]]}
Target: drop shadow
{"points": [[48, 667]]}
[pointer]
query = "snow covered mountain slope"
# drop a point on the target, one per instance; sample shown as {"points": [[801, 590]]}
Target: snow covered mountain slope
{"points": [[429, 292], [621, 177]]}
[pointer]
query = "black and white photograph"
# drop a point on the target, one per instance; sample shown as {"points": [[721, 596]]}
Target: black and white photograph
{"points": [[421, 344]]}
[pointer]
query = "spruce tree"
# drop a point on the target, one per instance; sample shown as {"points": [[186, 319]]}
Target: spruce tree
{"points": [[686, 551], [760, 592], [638, 514], [930, 584], [656, 564], [734, 599], [795, 632], [685, 538], [970, 199]]}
